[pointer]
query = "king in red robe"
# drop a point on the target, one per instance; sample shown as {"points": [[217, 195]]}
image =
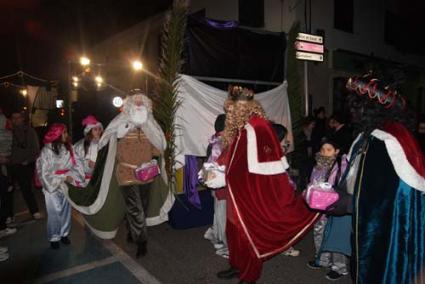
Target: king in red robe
{"points": [[264, 216]]}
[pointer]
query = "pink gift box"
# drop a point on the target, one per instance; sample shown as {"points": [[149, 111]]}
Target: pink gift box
{"points": [[320, 199], [147, 173]]}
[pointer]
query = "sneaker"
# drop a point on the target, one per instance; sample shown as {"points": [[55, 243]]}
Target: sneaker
{"points": [[3, 250], [4, 256], [333, 275], [313, 265], [37, 216], [291, 252], [209, 234], [7, 232]]}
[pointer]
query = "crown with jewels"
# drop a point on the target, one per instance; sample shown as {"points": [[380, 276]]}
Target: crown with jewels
{"points": [[387, 96], [238, 93]]}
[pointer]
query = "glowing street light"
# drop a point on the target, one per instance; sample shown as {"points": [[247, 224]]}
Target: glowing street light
{"points": [[98, 79], [117, 102], [84, 61], [24, 92], [75, 78], [75, 84], [137, 65]]}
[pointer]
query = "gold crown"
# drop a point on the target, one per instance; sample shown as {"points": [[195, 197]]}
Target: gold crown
{"points": [[237, 93]]}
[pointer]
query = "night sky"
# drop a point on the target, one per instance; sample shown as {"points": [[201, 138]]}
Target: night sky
{"points": [[39, 36]]}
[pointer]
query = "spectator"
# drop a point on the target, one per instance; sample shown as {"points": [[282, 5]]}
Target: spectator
{"points": [[25, 149], [5, 148], [319, 130], [305, 152], [341, 132]]}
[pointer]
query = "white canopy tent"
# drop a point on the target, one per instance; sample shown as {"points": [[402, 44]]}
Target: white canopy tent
{"points": [[202, 103]]}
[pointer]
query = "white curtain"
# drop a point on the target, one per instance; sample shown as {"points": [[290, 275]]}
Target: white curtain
{"points": [[202, 103]]}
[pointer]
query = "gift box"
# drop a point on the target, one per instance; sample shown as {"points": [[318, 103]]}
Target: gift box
{"points": [[320, 199]]}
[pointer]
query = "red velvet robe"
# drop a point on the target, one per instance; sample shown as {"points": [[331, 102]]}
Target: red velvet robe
{"points": [[265, 217]]}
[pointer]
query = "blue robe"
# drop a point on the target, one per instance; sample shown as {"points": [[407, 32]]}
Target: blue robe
{"points": [[388, 223]]}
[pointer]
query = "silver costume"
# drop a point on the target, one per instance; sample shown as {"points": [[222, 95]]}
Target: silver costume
{"points": [[52, 170], [91, 155]]}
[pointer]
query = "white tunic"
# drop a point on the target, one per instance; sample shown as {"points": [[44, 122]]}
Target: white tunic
{"points": [[52, 170], [91, 155]]}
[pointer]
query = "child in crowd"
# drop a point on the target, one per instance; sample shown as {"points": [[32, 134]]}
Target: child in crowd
{"points": [[329, 167], [87, 147], [56, 165], [282, 134], [217, 233]]}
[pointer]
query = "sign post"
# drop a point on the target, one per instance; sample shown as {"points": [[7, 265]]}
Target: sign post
{"points": [[308, 48]]}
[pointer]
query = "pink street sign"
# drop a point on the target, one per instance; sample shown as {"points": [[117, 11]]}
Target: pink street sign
{"points": [[310, 47]]}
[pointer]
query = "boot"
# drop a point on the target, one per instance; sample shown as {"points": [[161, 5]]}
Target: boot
{"points": [[141, 249], [54, 245], [65, 240], [230, 273]]}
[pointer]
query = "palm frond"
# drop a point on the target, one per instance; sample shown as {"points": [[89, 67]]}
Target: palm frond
{"points": [[166, 100]]}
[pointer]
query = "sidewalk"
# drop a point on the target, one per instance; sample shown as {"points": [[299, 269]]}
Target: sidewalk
{"points": [[174, 257]]}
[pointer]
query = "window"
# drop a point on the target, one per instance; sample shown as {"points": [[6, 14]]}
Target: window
{"points": [[344, 15], [251, 13]]}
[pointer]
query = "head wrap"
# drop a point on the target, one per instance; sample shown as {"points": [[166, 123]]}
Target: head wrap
{"points": [[89, 123], [55, 131]]}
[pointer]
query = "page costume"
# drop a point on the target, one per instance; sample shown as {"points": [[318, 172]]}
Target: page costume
{"points": [[52, 170]]}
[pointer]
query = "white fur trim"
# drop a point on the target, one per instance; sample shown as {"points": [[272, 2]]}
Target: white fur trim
{"points": [[163, 212], [262, 168], [106, 235], [104, 185], [399, 160], [91, 126]]}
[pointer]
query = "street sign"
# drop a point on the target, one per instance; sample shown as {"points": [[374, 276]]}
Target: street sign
{"points": [[309, 56], [309, 47], [310, 38]]}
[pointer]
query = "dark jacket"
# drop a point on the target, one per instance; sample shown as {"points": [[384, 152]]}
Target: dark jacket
{"points": [[25, 146]]}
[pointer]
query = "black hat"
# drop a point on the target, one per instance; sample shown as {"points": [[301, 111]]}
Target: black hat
{"points": [[280, 130], [219, 122]]}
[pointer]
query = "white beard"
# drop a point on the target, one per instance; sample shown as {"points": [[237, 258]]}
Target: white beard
{"points": [[138, 115]]}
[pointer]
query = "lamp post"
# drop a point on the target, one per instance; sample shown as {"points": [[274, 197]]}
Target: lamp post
{"points": [[137, 67], [73, 83]]}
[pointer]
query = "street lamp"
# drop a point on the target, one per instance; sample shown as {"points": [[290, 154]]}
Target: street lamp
{"points": [[84, 61], [24, 92], [117, 102], [137, 65]]}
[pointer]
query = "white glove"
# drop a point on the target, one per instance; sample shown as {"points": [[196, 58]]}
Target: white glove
{"points": [[218, 182]]}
